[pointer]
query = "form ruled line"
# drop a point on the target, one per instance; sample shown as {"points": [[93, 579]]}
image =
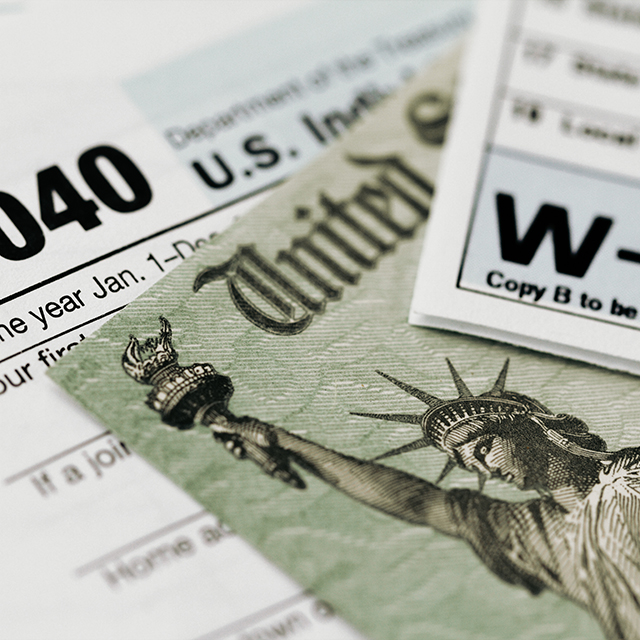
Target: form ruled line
{"points": [[248, 621], [62, 333], [21, 474], [120, 551]]}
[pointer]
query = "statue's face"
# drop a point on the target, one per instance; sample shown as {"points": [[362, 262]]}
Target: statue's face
{"points": [[495, 456]]}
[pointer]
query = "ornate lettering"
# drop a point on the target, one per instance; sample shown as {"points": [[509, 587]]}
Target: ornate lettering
{"points": [[273, 301]]}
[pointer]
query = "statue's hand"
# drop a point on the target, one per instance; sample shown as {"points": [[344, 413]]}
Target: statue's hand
{"points": [[250, 438]]}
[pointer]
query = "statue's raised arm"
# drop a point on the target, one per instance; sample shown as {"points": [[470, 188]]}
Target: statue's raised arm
{"points": [[569, 540]]}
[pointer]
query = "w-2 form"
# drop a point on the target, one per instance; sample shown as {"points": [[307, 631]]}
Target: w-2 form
{"points": [[535, 236]]}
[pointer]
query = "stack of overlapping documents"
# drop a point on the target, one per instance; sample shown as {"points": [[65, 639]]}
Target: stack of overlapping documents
{"points": [[132, 133], [412, 481]]}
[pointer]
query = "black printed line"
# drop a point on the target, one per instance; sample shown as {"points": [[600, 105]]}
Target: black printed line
{"points": [[505, 65], [571, 45], [560, 105], [21, 474], [505, 68], [250, 620], [627, 254], [62, 333], [563, 165], [84, 265], [120, 551]]}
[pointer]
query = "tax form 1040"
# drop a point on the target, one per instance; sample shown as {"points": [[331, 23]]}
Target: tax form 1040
{"points": [[535, 236], [131, 133]]}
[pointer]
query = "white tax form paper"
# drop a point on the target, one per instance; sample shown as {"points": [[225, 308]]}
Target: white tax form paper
{"points": [[535, 235], [130, 133]]}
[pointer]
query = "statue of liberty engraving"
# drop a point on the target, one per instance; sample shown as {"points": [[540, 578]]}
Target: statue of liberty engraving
{"points": [[579, 539]]}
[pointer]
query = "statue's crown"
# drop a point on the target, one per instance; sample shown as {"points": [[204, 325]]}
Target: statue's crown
{"points": [[451, 425]]}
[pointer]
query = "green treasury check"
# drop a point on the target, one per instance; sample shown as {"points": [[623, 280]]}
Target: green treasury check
{"points": [[427, 484]]}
